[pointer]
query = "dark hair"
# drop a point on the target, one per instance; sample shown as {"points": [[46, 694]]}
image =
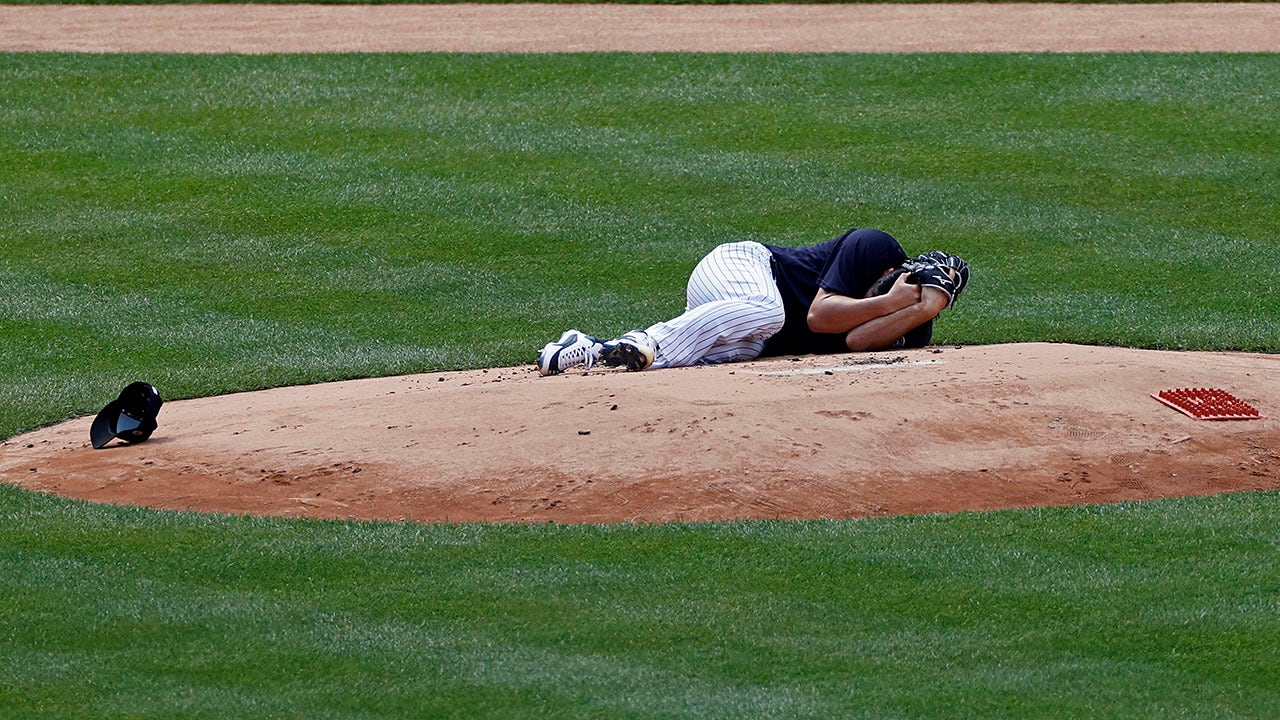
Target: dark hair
{"points": [[884, 284], [916, 337]]}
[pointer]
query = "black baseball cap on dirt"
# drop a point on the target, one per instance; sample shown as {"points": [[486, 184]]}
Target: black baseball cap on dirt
{"points": [[130, 417]]}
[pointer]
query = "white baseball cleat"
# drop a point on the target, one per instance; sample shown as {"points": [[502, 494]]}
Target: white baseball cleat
{"points": [[573, 348], [635, 349]]}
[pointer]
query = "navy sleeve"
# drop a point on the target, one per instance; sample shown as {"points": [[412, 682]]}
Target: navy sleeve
{"points": [[859, 260], [835, 277]]}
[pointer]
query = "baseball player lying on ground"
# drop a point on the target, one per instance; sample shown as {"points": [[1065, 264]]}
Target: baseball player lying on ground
{"points": [[855, 292]]}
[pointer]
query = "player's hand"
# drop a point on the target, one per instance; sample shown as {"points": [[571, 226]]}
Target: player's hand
{"points": [[904, 293]]}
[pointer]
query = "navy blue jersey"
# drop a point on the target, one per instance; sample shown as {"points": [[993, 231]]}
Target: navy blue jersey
{"points": [[846, 265]]}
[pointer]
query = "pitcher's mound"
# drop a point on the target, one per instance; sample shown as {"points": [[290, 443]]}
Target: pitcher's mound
{"points": [[933, 430]]}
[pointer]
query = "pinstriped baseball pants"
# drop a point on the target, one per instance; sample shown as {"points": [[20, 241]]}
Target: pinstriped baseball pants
{"points": [[732, 307]]}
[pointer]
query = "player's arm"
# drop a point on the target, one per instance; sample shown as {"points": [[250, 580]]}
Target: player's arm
{"points": [[835, 313], [882, 332]]}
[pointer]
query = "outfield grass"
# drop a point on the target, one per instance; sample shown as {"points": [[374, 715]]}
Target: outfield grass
{"points": [[213, 224]]}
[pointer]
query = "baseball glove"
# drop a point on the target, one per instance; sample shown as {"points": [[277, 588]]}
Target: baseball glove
{"points": [[931, 269]]}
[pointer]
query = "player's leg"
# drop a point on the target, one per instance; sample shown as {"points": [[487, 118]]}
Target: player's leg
{"points": [[734, 352], [733, 307]]}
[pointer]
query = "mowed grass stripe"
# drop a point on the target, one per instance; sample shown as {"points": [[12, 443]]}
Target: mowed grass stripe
{"points": [[1121, 610]]}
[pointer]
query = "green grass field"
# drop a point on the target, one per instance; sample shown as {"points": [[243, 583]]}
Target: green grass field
{"points": [[214, 224]]}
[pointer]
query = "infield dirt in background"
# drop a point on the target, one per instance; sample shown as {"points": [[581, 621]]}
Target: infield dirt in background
{"points": [[960, 27]]}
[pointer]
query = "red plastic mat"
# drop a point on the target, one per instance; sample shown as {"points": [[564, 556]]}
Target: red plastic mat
{"points": [[1207, 404]]}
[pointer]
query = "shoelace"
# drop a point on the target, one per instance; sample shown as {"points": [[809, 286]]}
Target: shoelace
{"points": [[580, 354]]}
